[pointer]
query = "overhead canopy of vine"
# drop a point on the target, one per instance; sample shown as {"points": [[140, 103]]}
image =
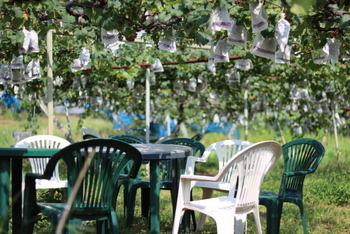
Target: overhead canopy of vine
{"points": [[78, 25]]}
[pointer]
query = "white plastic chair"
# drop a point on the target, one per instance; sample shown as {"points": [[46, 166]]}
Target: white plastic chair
{"points": [[87, 133], [39, 164], [224, 151], [250, 166], [20, 135]]}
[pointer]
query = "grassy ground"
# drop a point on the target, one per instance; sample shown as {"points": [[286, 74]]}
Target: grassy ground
{"points": [[326, 192]]}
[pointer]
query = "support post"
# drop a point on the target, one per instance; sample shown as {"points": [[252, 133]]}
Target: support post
{"points": [[49, 83], [336, 135], [147, 104], [246, 115]]}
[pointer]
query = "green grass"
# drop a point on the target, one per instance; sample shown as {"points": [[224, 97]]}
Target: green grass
{"points": [[326, 192]]}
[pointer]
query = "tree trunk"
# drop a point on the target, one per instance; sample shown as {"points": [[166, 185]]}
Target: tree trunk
{"points": [[179, 120]]}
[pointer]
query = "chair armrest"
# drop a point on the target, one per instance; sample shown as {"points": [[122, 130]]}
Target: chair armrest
{"points": [[190, 164], [36, 176], [199, 178], [187, 182], [297, 173], [124, 178], [285, 175]]}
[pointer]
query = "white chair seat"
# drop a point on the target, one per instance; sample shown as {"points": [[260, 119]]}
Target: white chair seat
{"points": [[211, 205]]}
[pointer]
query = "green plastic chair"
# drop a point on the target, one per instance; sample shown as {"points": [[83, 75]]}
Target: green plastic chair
{"points": [[198, 137], [301, 157], [166, 181], [113, 160], [128, 139]]}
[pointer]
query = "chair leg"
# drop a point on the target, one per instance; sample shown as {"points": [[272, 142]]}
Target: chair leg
{"points": [[113, 223], [241, 221], [65, 194], [129, 202], [69, 226], [189, 214], [303, 218], [257, 219], [186, 221], [100, 227], [28, 222], [273, 215], [145, 198], [177, 220], [193, 220], [193, 215], [225, 225], [126, 194]]}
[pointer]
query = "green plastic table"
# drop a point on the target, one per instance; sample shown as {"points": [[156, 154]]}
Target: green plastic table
{"points": [[11, 162], [154, 153]]}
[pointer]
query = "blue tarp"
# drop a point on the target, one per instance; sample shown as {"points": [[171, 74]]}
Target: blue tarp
{"points": [[158, 129], [155, 128], [224, 128], [141, 117], [172, 125], [161, 129], [11, 102], [221, 127], [125, 118]]}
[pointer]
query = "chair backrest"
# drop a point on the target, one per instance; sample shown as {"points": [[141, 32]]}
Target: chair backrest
{"points": [[163, 139], [112, 160], [198, 136], [197, 147], [250, 166], [88, 133], [42, 141], [128, 139], [88, 136], [139, 131], [300, 155], [224, 151]]}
